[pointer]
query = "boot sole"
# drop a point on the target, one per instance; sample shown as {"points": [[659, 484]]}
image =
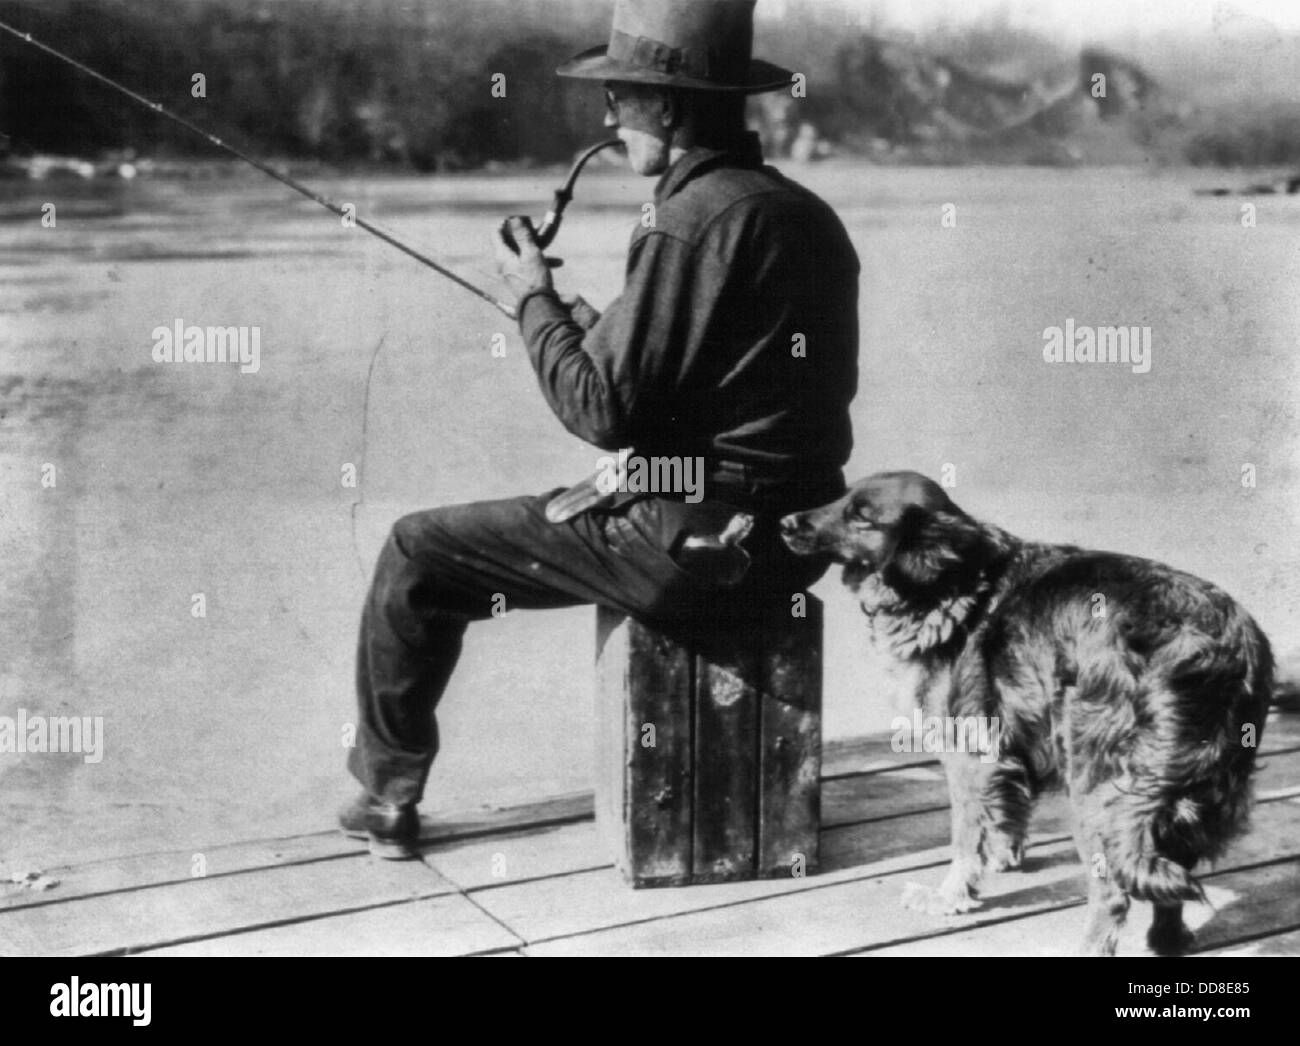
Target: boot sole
{"points": [[389, 851], [392, 851]]}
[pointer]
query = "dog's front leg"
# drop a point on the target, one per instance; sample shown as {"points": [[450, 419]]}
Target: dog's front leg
{"points": [[959, 891]]}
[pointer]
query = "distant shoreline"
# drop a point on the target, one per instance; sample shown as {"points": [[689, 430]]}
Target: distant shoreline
{"points": [[42, 168]]}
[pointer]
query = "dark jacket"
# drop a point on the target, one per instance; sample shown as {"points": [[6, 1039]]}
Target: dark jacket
{"points": [[735, 337]]}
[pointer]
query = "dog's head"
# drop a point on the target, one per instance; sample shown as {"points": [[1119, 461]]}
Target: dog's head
{"points": [[899, 524]]}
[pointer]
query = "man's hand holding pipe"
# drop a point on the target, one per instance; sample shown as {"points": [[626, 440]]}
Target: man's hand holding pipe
{"points": [[520, 260]]}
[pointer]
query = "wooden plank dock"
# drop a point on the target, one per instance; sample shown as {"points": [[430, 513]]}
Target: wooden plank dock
{"points": [[535, 880]]}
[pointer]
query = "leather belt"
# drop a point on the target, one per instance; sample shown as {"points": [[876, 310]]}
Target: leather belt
{"points": [[732, 482]]}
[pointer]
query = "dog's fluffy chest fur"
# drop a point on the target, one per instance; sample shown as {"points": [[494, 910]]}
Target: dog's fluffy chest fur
{"points": [[907, 631]]}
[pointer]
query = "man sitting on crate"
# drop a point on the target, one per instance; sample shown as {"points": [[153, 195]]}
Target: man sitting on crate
{"points": [[734, 342]]}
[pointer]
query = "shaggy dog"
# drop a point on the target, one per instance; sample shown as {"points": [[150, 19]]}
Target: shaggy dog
{"points": [[1140, 690]]}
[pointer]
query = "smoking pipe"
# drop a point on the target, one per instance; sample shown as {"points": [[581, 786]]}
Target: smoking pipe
{"points": [[545, 232]]}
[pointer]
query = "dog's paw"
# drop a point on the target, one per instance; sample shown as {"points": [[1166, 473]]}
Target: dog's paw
{"points": [[940, 901], [1006, 855]]}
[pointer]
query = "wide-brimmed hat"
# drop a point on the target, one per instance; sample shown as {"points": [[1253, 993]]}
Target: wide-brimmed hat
{"points": [[703, 45]]}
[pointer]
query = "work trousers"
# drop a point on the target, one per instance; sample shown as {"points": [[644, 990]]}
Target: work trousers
{"points": [[444, 568]]}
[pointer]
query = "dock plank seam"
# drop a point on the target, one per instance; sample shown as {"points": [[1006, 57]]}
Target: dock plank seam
{"points": [[520, 940], [271, 924], [46, 902]]}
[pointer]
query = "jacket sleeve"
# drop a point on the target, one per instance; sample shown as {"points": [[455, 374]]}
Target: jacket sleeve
{"points": [[593, 379]]}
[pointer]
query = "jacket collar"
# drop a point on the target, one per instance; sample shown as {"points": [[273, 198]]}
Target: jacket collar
{"points": [[748, 152]]}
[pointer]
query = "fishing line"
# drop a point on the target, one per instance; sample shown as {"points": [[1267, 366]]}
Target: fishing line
{"points": [[365, 437]]}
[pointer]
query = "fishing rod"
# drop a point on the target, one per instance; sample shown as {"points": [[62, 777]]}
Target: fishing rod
{"points": [[546, 231]]}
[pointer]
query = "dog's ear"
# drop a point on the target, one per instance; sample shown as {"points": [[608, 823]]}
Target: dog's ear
{"points": [[934, 550]]}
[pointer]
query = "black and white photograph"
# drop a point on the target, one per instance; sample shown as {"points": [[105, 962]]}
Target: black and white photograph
{"points": [[650, 478]]}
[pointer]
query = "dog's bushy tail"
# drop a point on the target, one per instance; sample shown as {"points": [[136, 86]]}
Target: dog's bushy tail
{"points": [[1187, 790], [1143, 870], [1181, 811]]}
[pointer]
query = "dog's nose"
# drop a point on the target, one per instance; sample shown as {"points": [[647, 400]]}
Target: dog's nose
{"points": [[790, 524]]}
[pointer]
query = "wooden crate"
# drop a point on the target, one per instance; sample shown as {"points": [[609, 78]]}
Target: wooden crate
{"points": [[709, 749]]}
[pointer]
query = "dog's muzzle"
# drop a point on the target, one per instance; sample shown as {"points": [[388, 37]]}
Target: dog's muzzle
{"points": [[797, 535]]}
